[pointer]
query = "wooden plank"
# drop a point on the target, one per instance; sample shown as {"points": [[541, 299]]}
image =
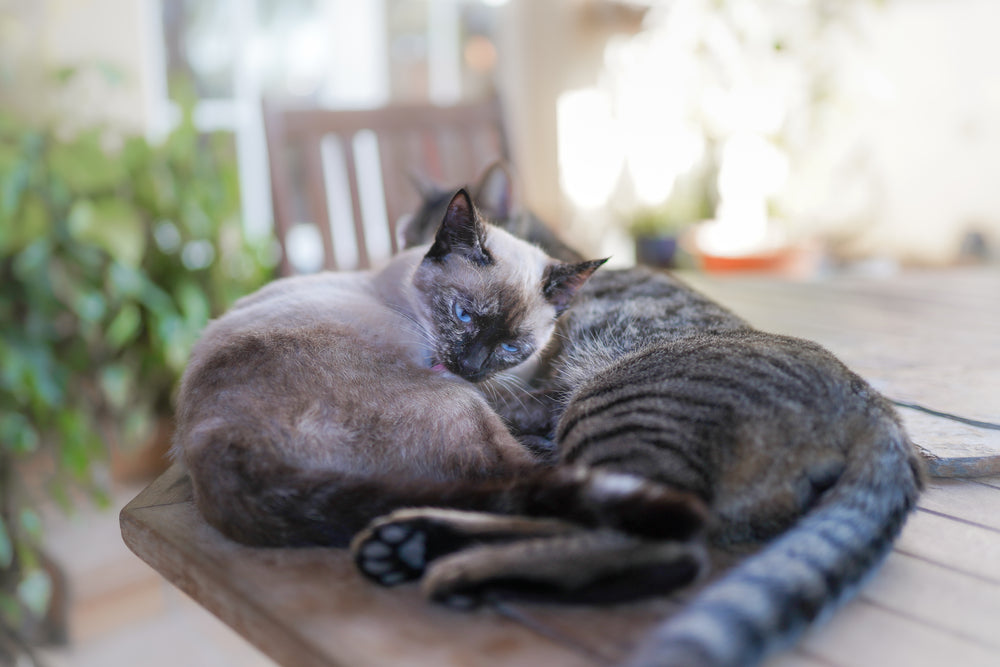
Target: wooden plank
{"points": [[396, 187], [310, 607], [795, 659], [970, 501], [964, 606], [278, 165], [173, 486], [614, 631], [962, 547], [892, 308], [862, 634], [357, 214], [936, 600], [316, 195]]}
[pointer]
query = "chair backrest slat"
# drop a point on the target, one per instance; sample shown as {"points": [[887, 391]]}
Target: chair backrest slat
{"points": [[449, 145]]}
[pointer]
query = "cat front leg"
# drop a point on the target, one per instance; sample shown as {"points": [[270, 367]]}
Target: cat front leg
{"points": [[398, 547]]}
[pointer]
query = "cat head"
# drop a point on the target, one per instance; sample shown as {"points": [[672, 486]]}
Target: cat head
{"points": [[494, 197], [491, 298]]}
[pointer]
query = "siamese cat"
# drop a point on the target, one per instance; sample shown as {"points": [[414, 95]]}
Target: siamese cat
{"points": [[322, 401]]}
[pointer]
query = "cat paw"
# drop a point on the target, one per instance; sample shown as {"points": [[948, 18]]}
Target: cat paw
{"points": [[390, 554], [397, 548]]}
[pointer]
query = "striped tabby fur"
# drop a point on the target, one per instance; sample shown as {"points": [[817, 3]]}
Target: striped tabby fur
{"points": [[781, 442], [773, 433]]}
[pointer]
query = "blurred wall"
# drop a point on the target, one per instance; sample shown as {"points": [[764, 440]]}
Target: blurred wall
{"points": [[39, 37], [935, 127], [908, 165], [545, 49], [926, 128]]}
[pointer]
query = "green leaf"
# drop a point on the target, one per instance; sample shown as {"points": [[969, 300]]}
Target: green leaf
{"points": [[194, 305], [6, 547], [17, 434], [84, 166], [90, 306], [30, 222], [31, 523], [64, 75], [116, 383], [113, 224], [74, 452], [42, 377], [125, 282], [35, 590], [124, 327], [14, 183], [32, 262], [10, 610], [177, 340], [102, 500], [158, 301]]}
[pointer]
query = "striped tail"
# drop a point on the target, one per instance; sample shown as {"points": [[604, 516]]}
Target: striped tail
{"points": [[765, 602]]}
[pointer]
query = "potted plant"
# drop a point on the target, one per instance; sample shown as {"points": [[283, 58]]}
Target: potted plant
{"points": [[112, 260], [657, 231]]}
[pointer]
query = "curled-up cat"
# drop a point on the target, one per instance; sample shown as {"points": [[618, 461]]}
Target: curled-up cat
{"points": [[322, 401], [659, 386]]}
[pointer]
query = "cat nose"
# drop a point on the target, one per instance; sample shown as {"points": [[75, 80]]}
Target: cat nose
{"points": [[475, 359]]}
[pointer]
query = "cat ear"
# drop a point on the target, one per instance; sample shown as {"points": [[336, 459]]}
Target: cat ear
{"points": [[494, 192], [561, 281], [462, 232], [418, 228], [425, 187]]}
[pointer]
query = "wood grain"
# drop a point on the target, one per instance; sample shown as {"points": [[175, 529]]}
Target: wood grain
{"points": [[932, 338]]}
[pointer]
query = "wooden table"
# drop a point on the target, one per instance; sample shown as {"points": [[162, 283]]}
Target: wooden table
{"points": [[932, 338]]}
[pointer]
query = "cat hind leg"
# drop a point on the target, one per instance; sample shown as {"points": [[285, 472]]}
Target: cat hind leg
{"points": [[603, 499], [398, 547], [590, 567]]}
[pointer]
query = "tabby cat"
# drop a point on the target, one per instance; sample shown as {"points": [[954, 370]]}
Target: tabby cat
{"points": [[322, 401], [769, 438]]}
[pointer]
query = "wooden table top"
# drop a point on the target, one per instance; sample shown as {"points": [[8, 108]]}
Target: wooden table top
{"points": [[928, 337]]}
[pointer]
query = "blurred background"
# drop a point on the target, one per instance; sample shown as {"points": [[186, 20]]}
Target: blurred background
{"points": [[799, 137]]}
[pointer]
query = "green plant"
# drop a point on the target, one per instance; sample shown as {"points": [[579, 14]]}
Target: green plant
{"points": [[691, 200], [112, 259], [654, 222]]}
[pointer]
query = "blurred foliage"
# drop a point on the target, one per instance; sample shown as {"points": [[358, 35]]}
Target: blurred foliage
{"points": [[114, 253], [692, 200]]}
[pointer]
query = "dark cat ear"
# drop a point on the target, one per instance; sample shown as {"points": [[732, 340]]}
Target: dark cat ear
{"points": [[424, 186], [561, 281], [494, 192], [462, 232], [419, 228]]}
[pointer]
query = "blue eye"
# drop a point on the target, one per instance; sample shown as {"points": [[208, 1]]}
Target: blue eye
{"points": [[461, 314], [507, 347]]}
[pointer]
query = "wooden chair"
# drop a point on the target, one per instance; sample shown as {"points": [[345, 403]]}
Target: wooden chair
{"points": [[341, 180]]}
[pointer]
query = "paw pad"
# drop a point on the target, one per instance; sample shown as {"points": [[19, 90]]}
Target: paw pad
{"points": [[392, 554]]}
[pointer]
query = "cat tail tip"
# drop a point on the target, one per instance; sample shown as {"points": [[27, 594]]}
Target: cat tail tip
{"points": [[797, 581]]}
